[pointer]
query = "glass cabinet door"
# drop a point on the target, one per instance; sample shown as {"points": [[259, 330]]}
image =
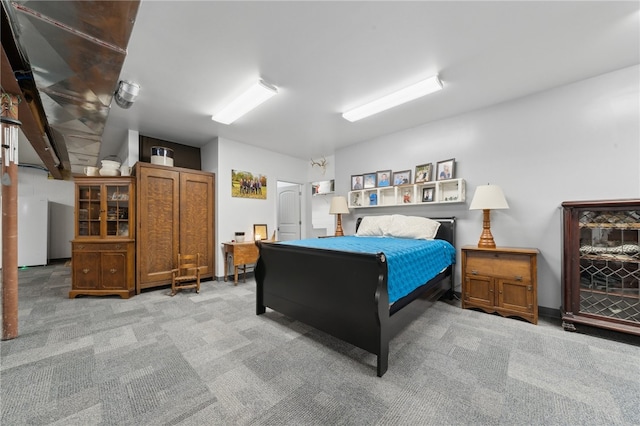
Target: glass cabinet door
{"points": [[89, 211], [117, 211], [609, 263], [103, 209]]}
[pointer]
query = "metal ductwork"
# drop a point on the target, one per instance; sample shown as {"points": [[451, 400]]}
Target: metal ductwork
{"points": [[67, 57]]}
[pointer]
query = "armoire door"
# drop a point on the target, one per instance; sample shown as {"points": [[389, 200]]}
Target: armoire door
{"points": [[158, 226], [196, 218]]}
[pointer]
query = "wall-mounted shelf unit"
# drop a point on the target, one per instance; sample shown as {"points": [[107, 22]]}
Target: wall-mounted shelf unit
{"points": [[436, 192]]}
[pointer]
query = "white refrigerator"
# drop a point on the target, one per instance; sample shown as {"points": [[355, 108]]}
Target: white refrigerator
{"points": [[33, 230]]}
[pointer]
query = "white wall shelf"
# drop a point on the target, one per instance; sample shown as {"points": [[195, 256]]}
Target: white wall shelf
{"points": [[436, 192]]}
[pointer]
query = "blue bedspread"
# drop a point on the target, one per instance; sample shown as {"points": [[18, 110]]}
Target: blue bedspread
{"points": [[410, 263]]}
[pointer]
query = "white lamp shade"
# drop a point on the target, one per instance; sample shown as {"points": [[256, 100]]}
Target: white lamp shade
{"points": [[339, 206], [488, 197]]}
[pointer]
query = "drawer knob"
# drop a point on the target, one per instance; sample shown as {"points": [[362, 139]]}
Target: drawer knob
{"points": [[113, 270], [474, 272], [518, 277], [85, 270], [81, 247], [118, 246]]}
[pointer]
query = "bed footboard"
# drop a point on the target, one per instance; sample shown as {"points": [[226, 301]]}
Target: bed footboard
{"points": [[343, 294]]}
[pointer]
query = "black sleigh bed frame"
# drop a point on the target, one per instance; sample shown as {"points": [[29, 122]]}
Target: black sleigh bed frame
{"points": [[343, 293]]}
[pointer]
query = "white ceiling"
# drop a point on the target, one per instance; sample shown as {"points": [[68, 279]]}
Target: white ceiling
{"points": [[190, 57]]}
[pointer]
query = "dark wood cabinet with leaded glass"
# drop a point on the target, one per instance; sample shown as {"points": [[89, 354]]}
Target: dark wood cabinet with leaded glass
{"points": [[601, 265]]}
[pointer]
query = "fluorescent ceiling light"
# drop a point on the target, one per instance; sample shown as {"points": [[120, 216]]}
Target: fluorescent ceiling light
{"points": [[254, 96], [415, 91]]}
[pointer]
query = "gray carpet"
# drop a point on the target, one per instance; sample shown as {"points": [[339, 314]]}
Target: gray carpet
{"points": [[208, 359]]}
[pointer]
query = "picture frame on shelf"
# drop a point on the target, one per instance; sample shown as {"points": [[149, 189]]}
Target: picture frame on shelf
{"points": [[383, 178], [427, 195], [402, 178], [423, 172], [369, 180], [323, 187], [356, 182], [446, 169]]}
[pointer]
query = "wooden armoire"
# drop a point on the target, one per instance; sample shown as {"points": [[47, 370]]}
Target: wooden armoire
{"points": [[175, 209]]}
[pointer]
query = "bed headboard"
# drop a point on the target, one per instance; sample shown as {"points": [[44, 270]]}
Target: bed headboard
{"points": [[446, 231]]}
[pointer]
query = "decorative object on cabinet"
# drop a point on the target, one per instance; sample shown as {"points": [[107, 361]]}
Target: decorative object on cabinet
{"points": [[103, 249], [109, 168], [415, 91], [260, 232], [601, 265], [423, 173], [383, 178], [487, 198], [356, 182], [186, 274], [435, 192], [239, 237], [446, 169], [248, 185], [161, 155], [370, 180], [184, 156], [402, 178], [501, 280], [175, 214], [339, 207]]}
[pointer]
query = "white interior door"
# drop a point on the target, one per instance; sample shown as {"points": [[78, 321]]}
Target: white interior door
{"points": [[289, 222]]}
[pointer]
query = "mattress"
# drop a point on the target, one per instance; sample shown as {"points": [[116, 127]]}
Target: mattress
{"points": [[410, 263]]}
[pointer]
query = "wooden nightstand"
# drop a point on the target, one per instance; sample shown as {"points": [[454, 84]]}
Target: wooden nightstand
{"points": [[502, 280]]}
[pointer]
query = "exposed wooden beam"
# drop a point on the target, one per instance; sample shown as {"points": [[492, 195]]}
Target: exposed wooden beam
{"points": [[32, 128]]}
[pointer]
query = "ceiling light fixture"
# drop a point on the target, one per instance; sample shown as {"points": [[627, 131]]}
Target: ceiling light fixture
{"points": [[126, 94], [415, 91], [251, 98]]}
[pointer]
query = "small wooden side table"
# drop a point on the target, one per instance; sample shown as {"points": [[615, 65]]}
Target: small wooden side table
{"points": [[502, 280], [242, 254]]}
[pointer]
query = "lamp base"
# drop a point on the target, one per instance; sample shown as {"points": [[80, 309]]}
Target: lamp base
{"points": [[486, 238], [339, 232]]}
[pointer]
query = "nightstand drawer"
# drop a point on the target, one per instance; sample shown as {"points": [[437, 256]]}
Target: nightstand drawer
{"points": [[245, 253], [508, 265]]}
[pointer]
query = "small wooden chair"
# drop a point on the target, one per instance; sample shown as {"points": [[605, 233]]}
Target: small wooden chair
{"points": [[187, 274]]}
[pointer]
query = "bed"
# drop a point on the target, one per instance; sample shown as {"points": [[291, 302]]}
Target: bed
{"points": [[345, 293]]}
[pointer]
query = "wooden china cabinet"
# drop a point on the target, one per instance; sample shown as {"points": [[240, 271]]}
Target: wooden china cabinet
{"points": [[103, 250], [601, 265]]}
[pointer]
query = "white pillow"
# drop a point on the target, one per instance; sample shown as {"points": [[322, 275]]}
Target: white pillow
{"points": [[413, 227], [374, 226]]}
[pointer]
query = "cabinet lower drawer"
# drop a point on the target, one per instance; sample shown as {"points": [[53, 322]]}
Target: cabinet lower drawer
{"points": [[511, 265]]}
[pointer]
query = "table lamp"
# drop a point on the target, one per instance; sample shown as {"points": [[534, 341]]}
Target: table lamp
{"points": [[339, 207], [486, 198]]}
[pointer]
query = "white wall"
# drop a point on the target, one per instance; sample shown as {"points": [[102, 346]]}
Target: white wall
{"points": [[60, 193], [575, 142], [239, 214]]}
